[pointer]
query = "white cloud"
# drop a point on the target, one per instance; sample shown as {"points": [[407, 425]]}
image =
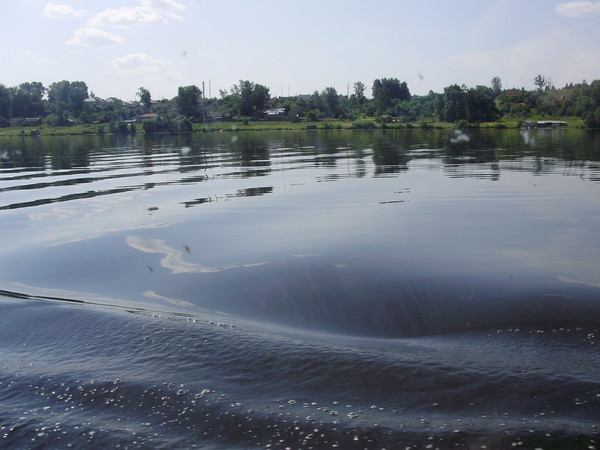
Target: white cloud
{"points": [[55, 11], [578, 9], [25, 53], [165, 5], [146, 12], [140, 63], [47, 61], [94, 37], [32, 56], [126, 16], [570, 61]]}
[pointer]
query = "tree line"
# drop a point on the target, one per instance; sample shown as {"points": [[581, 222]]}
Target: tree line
{"points": [[66, 102]]}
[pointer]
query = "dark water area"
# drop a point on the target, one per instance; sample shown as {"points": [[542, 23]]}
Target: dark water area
{"points": [[365, 289]]}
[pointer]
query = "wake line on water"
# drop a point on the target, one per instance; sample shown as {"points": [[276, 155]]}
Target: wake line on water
{"points": [[21, 295], [201, 316], [65, 198], [36, 297]]}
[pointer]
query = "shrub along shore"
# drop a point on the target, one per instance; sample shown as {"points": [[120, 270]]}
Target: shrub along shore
{"points": [[266, 125]]}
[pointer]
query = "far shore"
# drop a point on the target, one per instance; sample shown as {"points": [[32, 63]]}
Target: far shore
{"points": [[262, 125]]}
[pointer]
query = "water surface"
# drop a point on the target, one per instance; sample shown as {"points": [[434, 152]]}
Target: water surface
{"points": [[294, 289]]}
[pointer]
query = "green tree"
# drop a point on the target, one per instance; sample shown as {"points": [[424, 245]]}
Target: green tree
{"points": [[594, 93], [79, 92], [187, 100], [26, 100], [315, 102], [252, 97], [118, 127], [480, 105], [313, 114], [246, 101], [161, 124], [184, 125], [358, 99], [497, 86], [331, 102], [454, 103], [4, 102], [359, 92], [540, 82], [386, 90], [261, 97], [428, 106], [67, 97], [145, 98], [592, 119]]}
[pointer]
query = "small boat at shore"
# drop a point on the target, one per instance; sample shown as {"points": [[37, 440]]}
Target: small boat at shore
{"points": [[545, 124]]}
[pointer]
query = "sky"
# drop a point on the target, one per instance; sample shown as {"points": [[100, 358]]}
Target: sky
{"points": [[296, 47]]}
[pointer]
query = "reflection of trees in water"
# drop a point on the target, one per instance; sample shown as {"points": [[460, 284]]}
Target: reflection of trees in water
{"points": [[248, 151], [338, 150], [326, 149], [30, 155], [247, 192], [361, 167], [255, 156], [341, 153], [487, 152], [472, 154], [66, 152], [192, 161], [252, 192], [389, 155]]}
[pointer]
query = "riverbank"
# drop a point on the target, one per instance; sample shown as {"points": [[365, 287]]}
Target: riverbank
{"points": [[262, 125]]}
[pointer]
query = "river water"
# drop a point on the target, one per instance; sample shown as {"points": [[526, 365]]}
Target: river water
{"points": [[329, 289]]}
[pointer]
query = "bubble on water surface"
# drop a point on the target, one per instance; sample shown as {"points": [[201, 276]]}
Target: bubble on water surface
{"points": [[459, 137], [528, 138]]}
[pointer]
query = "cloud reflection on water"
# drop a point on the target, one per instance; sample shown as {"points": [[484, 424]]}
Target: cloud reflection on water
{"points": [[565, 256], [174, 259], [173, 301]]}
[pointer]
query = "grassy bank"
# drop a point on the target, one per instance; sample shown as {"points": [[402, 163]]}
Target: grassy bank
{"points": [[260, 125], [46, 130]]}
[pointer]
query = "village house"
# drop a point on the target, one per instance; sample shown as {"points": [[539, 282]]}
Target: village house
{"points": [[147, 116], [94, 102], [219, 116], [545, 124], [275, 114], [142, 118], [32, 121]]}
